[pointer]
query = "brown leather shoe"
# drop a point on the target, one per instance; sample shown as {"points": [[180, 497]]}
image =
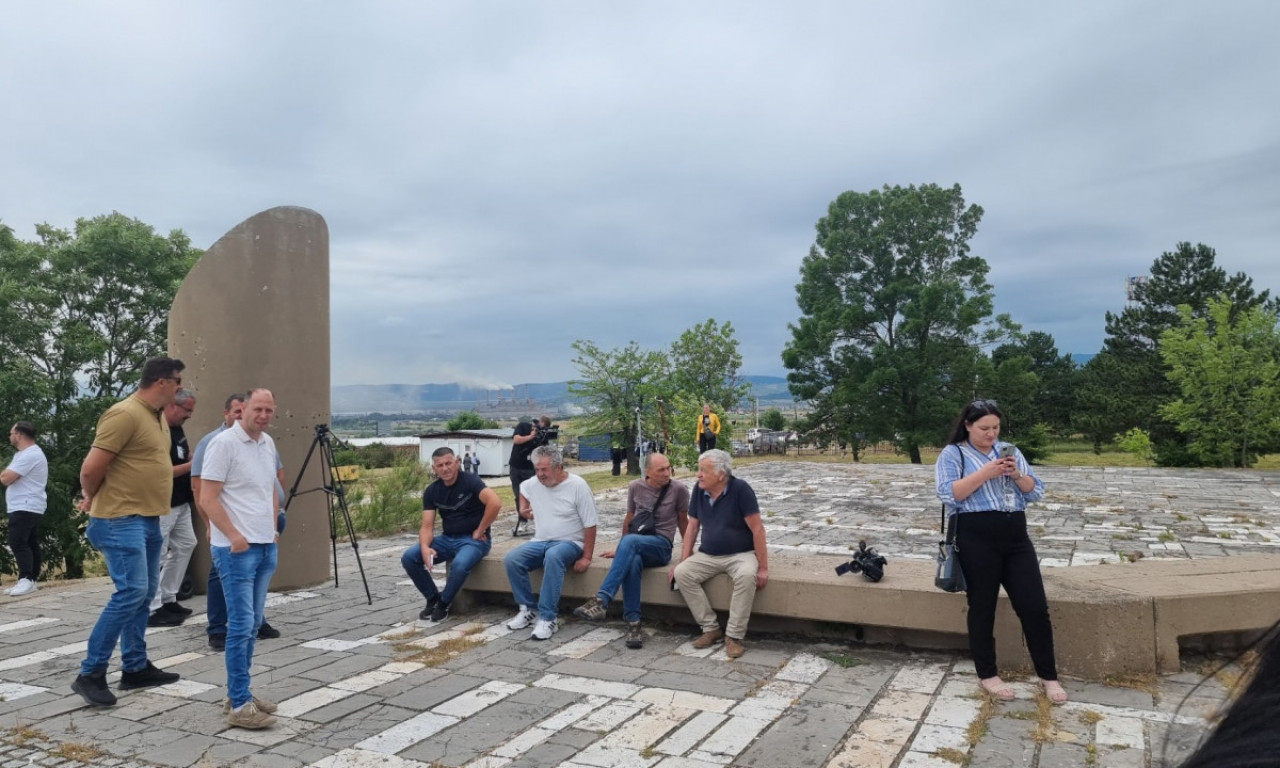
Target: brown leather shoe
{"points": [[733, 648], [708, 639]]}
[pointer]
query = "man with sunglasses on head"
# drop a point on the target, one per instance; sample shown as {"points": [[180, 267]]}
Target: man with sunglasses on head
{"points": [[467, 508], [126, 482]]}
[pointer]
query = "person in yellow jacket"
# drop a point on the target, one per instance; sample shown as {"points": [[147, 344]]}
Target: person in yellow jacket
{"points": [[708, 429]]}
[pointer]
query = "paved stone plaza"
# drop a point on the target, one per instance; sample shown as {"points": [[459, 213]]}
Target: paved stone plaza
{"points": [[362, 685]]}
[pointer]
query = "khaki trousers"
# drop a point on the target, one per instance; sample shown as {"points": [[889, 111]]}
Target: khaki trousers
{"points": [[741, 570]]}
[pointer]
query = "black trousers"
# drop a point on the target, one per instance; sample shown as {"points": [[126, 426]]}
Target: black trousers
{"points": [[706, 441], [995, 551], [24, 540], [518, 476]]}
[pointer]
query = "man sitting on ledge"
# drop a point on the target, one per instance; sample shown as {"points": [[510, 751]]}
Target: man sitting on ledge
{"points": [[467, 508], [657, 506], [724, 508], [562, 508]]}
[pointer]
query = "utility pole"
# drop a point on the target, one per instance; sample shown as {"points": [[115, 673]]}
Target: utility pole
{"points": [[756, 407]]}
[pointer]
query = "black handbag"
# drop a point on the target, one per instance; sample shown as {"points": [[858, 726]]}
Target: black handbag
{"points": [[950, 576], [645, 521]]}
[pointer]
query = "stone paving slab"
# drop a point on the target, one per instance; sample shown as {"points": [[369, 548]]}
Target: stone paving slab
{"points": [[373, 686]]}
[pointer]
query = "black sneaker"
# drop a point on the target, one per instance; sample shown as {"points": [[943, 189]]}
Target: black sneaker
{"points": [[218, 642], [147, 677], [635, 635], [176, 609], [431, 606], [440, 612], [267, 632], [163, 618], [94, 690]]}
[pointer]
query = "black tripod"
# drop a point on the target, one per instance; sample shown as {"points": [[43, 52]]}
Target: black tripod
{"points": [[336, 494]]}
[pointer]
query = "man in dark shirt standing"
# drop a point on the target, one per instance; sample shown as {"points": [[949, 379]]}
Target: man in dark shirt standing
{"points": [[467, 508], [179, 536], [724, 508], [524, 440]]}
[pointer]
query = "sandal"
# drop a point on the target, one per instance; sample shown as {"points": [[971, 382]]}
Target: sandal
{"points": [[997, 689], [1054, 691]]}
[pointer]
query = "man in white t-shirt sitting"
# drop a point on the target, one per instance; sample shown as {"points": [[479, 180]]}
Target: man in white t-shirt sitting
{"points": [[562, 508], [238, 494]]}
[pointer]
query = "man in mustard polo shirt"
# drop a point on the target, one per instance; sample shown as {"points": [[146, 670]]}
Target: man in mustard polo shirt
{"points": [[127, 480]]}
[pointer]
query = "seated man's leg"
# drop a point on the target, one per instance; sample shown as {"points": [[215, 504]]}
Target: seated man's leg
{"points": [[690, 575], [415, 566], [462, 552], [559, 557], [647, 552], [742, 570], [519, 562]]}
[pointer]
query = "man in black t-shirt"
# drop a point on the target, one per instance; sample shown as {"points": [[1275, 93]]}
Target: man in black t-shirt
{"points": [[467, 508], [525, 438], [179, 537]]}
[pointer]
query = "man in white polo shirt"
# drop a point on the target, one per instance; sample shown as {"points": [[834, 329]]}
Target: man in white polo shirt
{"points": [[238, 493]]}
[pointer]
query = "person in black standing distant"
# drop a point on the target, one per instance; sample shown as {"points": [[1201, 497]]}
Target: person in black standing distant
{"points": [[524, 440]]}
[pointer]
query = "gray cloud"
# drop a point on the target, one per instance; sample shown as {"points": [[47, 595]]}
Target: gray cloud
{"points": [[502, 179]]}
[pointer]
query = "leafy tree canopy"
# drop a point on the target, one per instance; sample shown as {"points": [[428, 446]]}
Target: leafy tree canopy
{"points": [[470, 420], [81, 311], [1226, 368], [893, 310]]}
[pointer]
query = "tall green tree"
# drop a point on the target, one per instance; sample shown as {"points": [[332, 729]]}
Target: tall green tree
{"points": [[892, 307], [82, 310], [1053, 397], [773, 419], [1187, 275], [1225, 366], [619, 386], [705, 362]]}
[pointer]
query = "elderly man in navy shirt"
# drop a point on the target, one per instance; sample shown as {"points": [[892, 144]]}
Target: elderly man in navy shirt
{"points": [[724, 509]]}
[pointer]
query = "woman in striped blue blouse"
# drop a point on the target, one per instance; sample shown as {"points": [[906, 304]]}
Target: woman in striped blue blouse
{"points": [[987, 485]]}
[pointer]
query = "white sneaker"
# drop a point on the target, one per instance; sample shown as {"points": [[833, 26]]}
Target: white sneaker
{"points": [[23, 587], [523, 619], [544, 629]]}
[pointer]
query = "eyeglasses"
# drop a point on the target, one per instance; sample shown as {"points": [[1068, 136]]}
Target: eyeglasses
{"points": [[992, 404], [175, 379]]}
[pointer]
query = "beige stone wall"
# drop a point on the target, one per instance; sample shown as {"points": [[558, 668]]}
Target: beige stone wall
{"points": [[254, 312]]}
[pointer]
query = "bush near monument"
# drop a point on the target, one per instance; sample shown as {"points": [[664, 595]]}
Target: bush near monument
{"points": [[80, 311]]}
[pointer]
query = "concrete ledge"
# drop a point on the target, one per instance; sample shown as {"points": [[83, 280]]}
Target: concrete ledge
{"points": [[1107, 619]]}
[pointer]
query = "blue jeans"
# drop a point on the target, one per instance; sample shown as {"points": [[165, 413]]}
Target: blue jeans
{"points": [[215, 604], [245, 577], [461, 552], [131, 547], [554, 557], [634, 554]]}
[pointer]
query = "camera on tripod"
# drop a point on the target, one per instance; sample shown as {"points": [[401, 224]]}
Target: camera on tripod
{"points": [[866, 561]]}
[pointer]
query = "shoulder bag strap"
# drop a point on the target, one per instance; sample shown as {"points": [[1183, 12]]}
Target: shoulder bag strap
{"points": [[952, 535]]}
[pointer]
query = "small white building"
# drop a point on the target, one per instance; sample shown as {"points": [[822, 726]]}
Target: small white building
{"points": [[493, 446]]}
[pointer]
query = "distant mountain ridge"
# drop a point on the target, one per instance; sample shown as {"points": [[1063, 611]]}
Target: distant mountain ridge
{"points": [[453, 398], [771, 391]]}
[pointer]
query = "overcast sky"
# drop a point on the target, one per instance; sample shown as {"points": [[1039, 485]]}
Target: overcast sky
{"points": [[502, 178]]}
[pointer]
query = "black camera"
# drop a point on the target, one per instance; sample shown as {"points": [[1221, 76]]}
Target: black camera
{"points": [[866, 561], [543, 435]]}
